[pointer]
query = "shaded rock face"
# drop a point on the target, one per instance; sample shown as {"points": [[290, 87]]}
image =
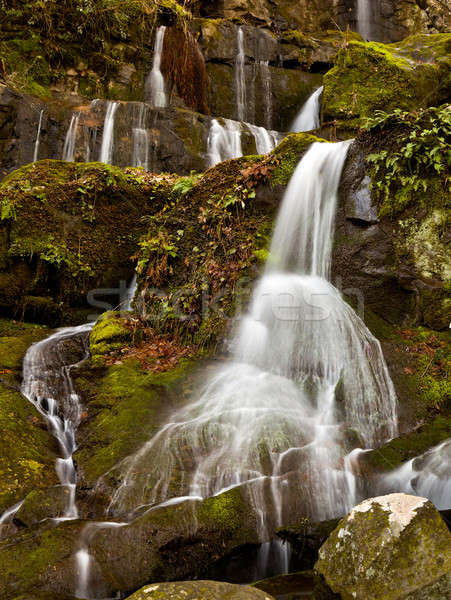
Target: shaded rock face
{"points": [[377, 264], [390, 20], [197, 590], [374, 553]]}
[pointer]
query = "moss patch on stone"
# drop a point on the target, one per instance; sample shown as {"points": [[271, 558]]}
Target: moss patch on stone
{"points": [[27, 458], [371, 76], [289, 153]]}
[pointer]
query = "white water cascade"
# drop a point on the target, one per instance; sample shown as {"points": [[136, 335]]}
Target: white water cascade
{"points": [[71, 138], [224, 142], [140, 135], [155, 87], [427, 475], [38, 136], [265, 140], [309, 115], [305, 377], [48, 386], [364, 18], [240, 79], [106, 149]]}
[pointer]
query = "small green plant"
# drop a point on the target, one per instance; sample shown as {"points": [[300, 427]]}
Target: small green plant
{"points": [[417, 152]]}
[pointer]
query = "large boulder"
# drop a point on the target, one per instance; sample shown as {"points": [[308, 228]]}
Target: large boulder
{"points": [[370, 76], [389, 548], [199, 590]]}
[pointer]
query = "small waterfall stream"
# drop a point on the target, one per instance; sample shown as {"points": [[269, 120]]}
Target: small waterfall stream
{"points": [[140, 157], [224, 142], [155, 87], [106, 149], [309, 115], [38, 136], [47, 384], [240, 79], [71, 138], [364, 19], [265, 75]]}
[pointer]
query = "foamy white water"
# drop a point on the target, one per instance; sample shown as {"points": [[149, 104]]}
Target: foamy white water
{"points": [[240, 79], [309, 115], [155, 86], [107, 147], [71, 138], [140, 157], [224, 141], [364, 19], [38, 137]]}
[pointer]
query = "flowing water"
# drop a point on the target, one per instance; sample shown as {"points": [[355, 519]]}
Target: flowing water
{"points": [[265, 75], [140, 135], [106, 149], [306, 377], [364, 19], [48, 385], [224, 142], [38, 136], [309, 115], [155, 87], [427, 475], [265, 140], [71, 138], [240, 80]]}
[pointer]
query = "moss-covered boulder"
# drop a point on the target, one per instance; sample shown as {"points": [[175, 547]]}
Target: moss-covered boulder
{"points": [[112, 331], [388, 548], [198, 590], [371, 76], [42, 504], [63, 233]]}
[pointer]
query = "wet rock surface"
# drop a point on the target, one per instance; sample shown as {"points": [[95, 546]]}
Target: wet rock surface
{"points": [[199, 590]]}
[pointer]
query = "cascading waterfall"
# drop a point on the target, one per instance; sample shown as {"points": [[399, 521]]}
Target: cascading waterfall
{"points": [[240, 79], [224, 142], [38, 136], [48, 386], [155, 87], [265, 75], [71, 138], [265, 141], [140, 135], [309, 115], [306, 377], [427, 475], [106, 149], [364, 18]]}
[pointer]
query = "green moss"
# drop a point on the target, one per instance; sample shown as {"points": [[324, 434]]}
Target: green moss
{"points": [[371, 76], [111, 332], [26, 458], [125, 405], [66, 233], [290, 151]]}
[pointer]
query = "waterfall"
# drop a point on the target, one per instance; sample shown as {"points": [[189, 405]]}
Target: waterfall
{"points": [[71, 138], [106, 150], [240, 80], [427, 475], [223, 142], [131, 293], [140, 135], [38, 135], [48, 386], [305, 378], [364, 18], [265, 141], [309, 115], [155, 87], [265, 75]]}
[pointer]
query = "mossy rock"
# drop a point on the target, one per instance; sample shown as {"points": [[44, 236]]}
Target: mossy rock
{"points": [[27, 450], [42, 504], [125, 406], [66, 233], [386, 549], [371, 76], [198, 590], [289, 153], [111, 332]]}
